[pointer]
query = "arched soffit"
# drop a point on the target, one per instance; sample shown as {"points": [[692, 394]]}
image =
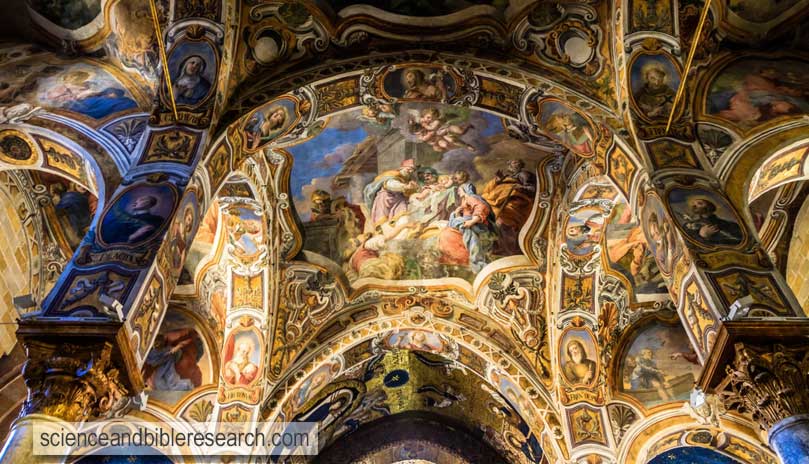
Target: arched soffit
{"points": [[744, 160], [785, 166], [416, 438], [231, 220], [88, 90], [569, 42], [734, 437], [654, 367], [313, 308], [391, 382], [422, 332], [24, 146], [66, 181], [185, 358], [776, 192]]}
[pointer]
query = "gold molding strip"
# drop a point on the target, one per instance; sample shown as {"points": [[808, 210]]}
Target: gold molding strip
{"points": [[694, 42], [163, 57]]}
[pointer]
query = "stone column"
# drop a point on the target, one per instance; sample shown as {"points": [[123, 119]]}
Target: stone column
{"points": [[67, 383], [771, 383]]}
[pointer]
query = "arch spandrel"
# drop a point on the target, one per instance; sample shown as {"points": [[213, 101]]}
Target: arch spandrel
{"points": [[657, 434]]}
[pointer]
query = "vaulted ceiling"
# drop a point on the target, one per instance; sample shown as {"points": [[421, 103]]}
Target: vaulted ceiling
{"points": [[370, 311]]}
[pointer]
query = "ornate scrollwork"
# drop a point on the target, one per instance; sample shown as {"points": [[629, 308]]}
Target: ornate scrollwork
{"points": [[311, 296], [705, 407], [546, 31], [539, 246], [517, 300], [579, 267], [371, 87], [770, 384], [418, 298], [73, 382], [282, 32]]}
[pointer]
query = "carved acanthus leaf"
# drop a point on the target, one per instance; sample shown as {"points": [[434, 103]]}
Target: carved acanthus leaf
{"points": [[769, 383]]}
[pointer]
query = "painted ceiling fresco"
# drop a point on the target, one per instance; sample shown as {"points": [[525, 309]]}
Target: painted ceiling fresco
{"points": [[82, 88], [406, 194], [449, 232]]}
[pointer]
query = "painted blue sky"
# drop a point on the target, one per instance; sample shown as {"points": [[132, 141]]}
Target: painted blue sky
{"points": [[323, 155], [311, 159]]}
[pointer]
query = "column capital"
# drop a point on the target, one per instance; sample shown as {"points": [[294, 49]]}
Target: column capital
{"points": [[769, 382], [72, 381]]}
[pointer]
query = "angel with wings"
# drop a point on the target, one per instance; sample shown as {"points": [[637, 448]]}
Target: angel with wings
{"points": [[438, 131]]}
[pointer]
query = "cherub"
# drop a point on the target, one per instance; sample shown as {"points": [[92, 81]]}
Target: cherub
{"points": [[380, 114], [437, 131]]}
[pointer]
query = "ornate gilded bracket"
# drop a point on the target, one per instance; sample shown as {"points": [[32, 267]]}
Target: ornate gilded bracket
{"points": [[771, 383], [76, 379]]}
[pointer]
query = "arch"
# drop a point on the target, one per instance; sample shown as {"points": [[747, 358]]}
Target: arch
{"points": [[411, 436], [312, 112], [743, 160], [415, 371], [693, 454], [785, 166], [769, 169], [653, 340], [532, 396], [653, 435], [229, 147]]}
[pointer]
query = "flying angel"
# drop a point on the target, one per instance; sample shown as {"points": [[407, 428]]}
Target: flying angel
{"points": [[439, 131]]}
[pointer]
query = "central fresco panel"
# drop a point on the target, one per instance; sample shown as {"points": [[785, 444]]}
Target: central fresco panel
{"points": [[413, 191]]}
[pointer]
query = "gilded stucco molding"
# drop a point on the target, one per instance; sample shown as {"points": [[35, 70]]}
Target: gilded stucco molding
{"points": [[73, 382], [769, 383]]}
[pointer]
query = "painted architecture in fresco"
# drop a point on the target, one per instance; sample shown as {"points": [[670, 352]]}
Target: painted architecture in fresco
{"points": [[434, 191], [466, 231]]}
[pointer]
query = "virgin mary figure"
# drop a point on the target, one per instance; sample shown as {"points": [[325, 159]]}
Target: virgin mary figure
{"points": [[471, 231]]}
